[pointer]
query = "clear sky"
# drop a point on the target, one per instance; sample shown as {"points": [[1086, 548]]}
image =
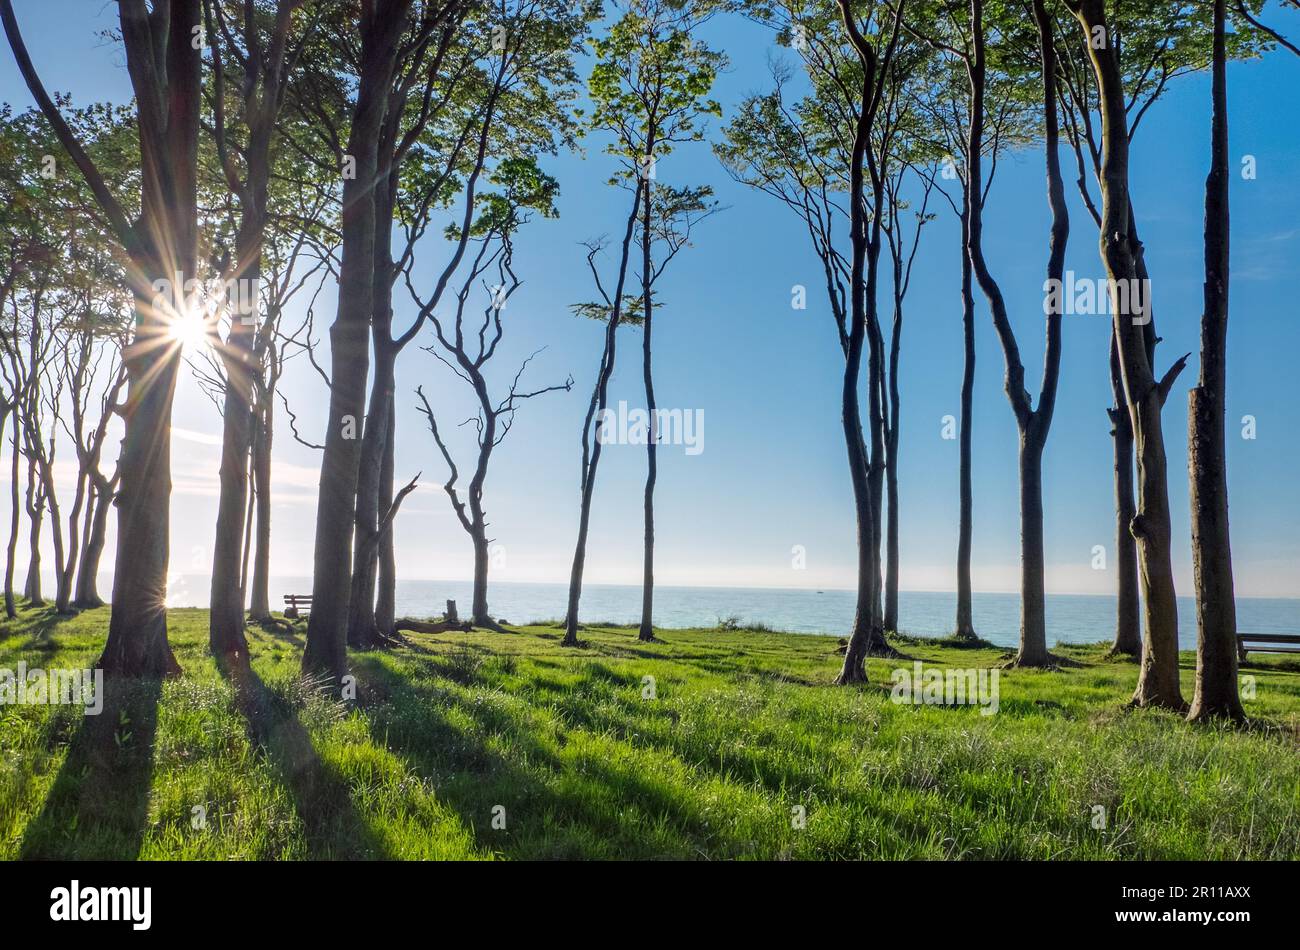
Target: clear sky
{"points": [[766, 377]]}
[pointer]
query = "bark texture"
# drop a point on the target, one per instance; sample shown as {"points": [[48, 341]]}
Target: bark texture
{"points": [[1216, 693], [1145, 396]]}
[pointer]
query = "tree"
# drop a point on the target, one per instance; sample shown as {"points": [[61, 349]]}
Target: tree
{"points": [[258, 44], [1145, 395], [1033, 422], [651, 84], [826, 157], [381, 25], [1158, 42], [498, 88], [902, 255], [1216, 612], [164, 64], [411, 106], [947, 108], [467, 354]]}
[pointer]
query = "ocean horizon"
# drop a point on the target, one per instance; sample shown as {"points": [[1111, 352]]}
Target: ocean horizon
{"points": [[1071, 618]]}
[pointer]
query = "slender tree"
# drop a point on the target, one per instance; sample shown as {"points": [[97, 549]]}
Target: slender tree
{"points": [[381, 25], [164, 64], [1033, 422], [1216, 612], [651, 85], [468, 349], [258, 45], [1145, 395]]}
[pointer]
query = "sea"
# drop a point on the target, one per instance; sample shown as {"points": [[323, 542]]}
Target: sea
{"points": [[1071, 618]]}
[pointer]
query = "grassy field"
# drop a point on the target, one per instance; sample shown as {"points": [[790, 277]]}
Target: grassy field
{"points": [[458, 734]]}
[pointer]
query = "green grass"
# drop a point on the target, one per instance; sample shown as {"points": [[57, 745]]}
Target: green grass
{"points": [[744, 727]]}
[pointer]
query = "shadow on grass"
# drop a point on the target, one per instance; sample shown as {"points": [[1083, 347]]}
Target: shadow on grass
{"points": [[37, 624], [333, 828], [98, 807], [572, 812]]}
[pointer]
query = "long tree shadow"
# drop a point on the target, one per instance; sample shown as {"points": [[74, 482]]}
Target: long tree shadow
{"points": [[36, 624], [98, 807], [563, 817], [334, 829]]}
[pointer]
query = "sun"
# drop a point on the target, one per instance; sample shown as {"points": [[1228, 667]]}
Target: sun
{"points": [[189, 329]]}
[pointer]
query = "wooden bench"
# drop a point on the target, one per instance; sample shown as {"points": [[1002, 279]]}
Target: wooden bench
{"points": [[1271, 643], [293, 601]]}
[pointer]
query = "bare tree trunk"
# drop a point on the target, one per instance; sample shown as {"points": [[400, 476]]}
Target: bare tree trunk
{"points": [[891, 496], [35, 516], [259, 599], [15, 512], [88, 572], [327, 627], [165, 69], [1216, 611], [965, 626], [1033, 601], [1128, 607], [64, 595], [226, 638], [1033, 423], [87, 528], [480, 615], [861, 283], [647, 631], [591, 451], [877, 646], [137, 638], [362, 628], [363, 632], [1158, 682], [386, 599]]}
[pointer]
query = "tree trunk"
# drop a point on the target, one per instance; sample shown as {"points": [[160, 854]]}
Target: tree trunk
{"points": [[591, 451], [226, 638], [877, 645], [1216, 611], [862, 294], [1034, 423], [362, 628], [890, 619], [327, 628], [479, 610], [647, 631], [965, 626], [1033, 602], [88, 572], [15, 513], [64, 596], [137, 635], [35, 516], [49, 492], [891, 541], [259, 598], [1158, 682], [166, 73], [1128, 607], [386, 599]]}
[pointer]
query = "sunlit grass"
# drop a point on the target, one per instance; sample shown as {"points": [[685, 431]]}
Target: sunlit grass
{"points": [[564, 749]]}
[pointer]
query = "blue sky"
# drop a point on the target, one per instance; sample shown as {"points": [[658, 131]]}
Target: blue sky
{"points": [[727, 342]]}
